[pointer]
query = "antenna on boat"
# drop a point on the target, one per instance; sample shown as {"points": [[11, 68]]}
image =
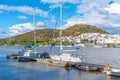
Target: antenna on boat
{"points": [[34, 32], [61, 48]]}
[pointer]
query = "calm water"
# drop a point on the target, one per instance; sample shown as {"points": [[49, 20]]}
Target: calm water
{"points": [[14, 70]]}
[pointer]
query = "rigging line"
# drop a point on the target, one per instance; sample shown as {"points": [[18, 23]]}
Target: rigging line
{"points": [[34, 24], [56, 23], [54, 30], [61, 48]]}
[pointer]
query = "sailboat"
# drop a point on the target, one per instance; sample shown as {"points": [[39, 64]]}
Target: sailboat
{"points": [[64, 56], [30, 53]]}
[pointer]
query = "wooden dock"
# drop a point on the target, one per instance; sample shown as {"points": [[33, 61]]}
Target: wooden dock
{"points": [[86, 66], [108, 70], [111, 71], [81, 66]]}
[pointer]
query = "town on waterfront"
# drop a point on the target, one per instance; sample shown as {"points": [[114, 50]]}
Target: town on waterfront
{"points": [[82, 40]]}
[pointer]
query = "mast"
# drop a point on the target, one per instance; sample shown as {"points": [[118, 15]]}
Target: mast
{"points": [[61, 48], [34, 32]]}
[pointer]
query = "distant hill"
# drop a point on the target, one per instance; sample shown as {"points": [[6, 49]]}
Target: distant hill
{"points": [[47, 34], [82, 28]]}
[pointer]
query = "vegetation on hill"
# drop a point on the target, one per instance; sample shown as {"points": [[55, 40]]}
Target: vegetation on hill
{"points": [[82, 28], [46, 35]]}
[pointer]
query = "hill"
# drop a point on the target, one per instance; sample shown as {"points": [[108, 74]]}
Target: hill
{"points": [[82, 28], [47, 34]]}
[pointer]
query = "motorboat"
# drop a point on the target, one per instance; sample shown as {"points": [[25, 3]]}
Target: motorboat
{"points": [[29, 55], [113, 72]]}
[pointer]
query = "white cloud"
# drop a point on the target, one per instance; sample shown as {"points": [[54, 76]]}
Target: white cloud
{"points": [[90, 5], [58, 1], [3, 34], [115, 25], [40, 25], [54, 6], [93, 13], [53, 20], [114, 8], [21, 28], [24, 27], [96, 12], [21, 17], [24, 9], [74, 20], [118, 1]]}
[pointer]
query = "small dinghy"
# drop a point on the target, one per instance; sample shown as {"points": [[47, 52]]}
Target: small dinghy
{"points": [[12, 56], [56, 63], [87, 68], [112, 71], [25, 59]]}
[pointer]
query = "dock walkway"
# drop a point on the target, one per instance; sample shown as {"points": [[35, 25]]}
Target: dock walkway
{"points": [[80, 66]]}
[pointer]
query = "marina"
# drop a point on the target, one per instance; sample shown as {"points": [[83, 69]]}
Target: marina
{"points": [[63, 58], [89, 67], [73, 71], [59, 40]]}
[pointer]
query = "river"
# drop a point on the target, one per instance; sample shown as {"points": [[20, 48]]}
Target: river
{"points": [[14, 70]]}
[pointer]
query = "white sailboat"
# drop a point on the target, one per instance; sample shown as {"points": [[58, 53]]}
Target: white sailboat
{"points": [[64, 55], [31, 54]]}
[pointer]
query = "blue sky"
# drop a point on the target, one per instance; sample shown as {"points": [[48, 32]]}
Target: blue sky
{"points": [[16, 16]]}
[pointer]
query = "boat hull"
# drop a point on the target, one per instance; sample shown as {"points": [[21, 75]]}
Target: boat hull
{"points": [[56, 64], [25, 59], [113, 72], [12, 56], [88, 68]]}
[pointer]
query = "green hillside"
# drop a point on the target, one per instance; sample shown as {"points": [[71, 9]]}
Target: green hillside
{"points": [[47, 34]]}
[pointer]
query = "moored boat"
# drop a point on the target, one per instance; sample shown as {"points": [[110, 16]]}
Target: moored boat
{"points": [[113, 72], [65, 56], [69, 56], [88, 68], [12, 56], [25, 59], [56, 63], [27, 56], [110, 71], [31, 53]]}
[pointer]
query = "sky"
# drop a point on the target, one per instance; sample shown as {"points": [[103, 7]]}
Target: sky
{"points": [[16, 16]]}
